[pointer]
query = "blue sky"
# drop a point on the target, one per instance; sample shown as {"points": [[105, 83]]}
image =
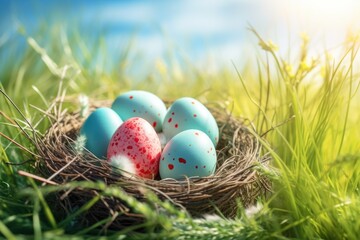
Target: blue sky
{"points": [[199, 29]]}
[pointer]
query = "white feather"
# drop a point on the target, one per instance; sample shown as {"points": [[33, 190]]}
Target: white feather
{"points": [[124, 164], [162, 139]]}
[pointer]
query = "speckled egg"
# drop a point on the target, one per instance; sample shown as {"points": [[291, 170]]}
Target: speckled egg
{"points": [[98, 129], [190, 153], [142, 104], [188, 113], [135, 148]]}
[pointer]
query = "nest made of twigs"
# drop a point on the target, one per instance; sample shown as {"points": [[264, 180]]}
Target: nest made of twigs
{"points": [[236, 176]]}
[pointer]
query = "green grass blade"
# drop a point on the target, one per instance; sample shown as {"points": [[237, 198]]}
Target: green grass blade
{"points": [[6, 232], [47, 210]]}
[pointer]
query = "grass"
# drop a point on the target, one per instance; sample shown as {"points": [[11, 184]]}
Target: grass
{"points": [[306, 111]]}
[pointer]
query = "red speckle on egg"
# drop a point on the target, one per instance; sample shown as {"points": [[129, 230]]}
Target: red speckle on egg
{"points": [[176, 125], [171, 167], [170, 119], [154, 124], [182, 160], [143, 171], [129, 147], [138, 165], [131, 97], [136, 139]]}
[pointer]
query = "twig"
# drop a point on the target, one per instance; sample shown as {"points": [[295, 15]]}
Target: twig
{"points": [[21, 163], [7, 117], [19, 145], [22, 115], [41, 179], [60, 170]]}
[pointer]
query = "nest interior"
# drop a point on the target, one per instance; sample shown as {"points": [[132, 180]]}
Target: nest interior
{"points": [[236, 176]]}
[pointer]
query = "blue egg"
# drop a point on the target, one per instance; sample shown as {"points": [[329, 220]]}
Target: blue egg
{"points": [[98, 129], [190, 153], [188, 113], [141, 104]]}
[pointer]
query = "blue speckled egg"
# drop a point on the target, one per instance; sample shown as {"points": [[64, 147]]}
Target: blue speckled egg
{"points": [[141, 104], [98, 129], [188, 113], [190, 153]]}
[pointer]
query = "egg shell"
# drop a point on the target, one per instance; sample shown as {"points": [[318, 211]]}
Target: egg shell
{"points": [[135, 148], [142, 104], [98, 129], [188, 113], [190, 153]]}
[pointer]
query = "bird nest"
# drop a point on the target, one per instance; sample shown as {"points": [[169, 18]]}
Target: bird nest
{"points": [[237, 175]]}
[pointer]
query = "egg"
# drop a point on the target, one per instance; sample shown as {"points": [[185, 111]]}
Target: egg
{"points": [[98, 129], [190, 153], [142, 104], [188, 113], [135, 148]]}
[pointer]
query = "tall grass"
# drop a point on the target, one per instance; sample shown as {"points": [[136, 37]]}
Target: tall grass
{"points": [[315, 150], [304, 110]]}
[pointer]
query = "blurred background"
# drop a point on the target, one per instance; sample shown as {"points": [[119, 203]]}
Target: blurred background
{"points": [[207, 32]]}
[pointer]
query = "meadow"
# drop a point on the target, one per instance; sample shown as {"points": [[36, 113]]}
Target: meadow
{"points": [[304, 109]]}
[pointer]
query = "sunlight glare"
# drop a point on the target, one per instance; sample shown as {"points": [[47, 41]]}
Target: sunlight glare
{"points": [[321, 14]]}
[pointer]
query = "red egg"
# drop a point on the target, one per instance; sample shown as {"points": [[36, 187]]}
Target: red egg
{"points": [[135, 148]]}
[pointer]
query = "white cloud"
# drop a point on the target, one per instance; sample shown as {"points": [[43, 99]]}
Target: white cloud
{"points": [[203, 18], [203, 24], [218, 28], [126, 13]]}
